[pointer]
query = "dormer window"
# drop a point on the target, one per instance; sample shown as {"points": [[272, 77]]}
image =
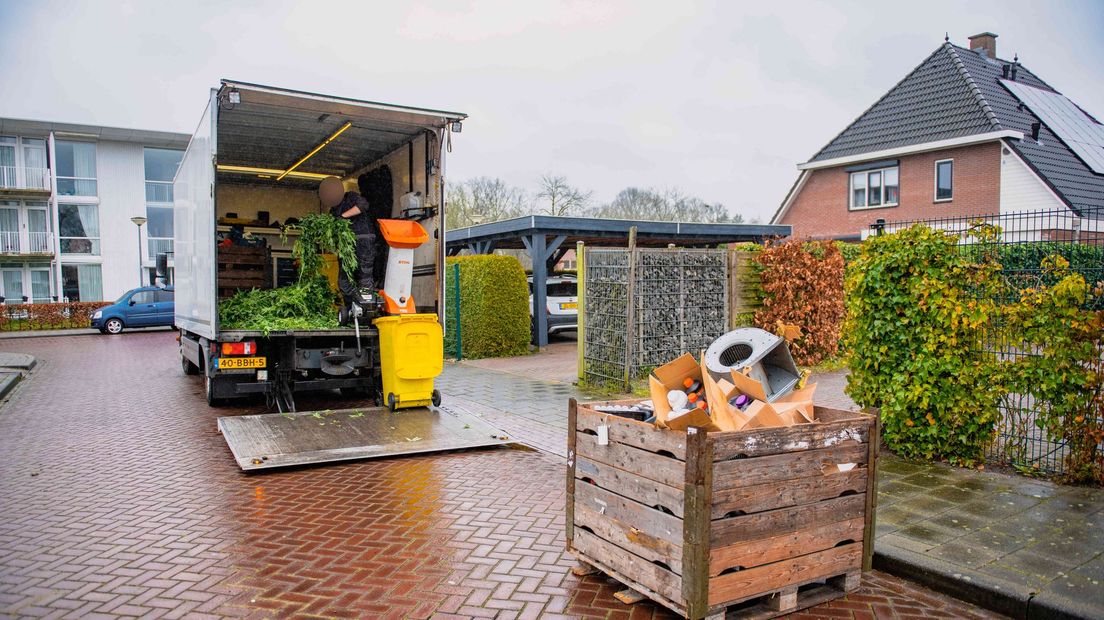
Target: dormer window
{"points": [[874, 188]]}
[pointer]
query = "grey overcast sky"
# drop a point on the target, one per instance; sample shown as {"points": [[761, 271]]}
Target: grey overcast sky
{"points": [[719, 99]]}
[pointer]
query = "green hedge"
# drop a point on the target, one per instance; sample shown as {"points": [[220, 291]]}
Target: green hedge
{"points": [[494, 306], [850, 251], [1029, 256], [914, 328]]}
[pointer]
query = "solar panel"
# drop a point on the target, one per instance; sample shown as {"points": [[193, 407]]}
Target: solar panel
{"points": [[1084, 136]]}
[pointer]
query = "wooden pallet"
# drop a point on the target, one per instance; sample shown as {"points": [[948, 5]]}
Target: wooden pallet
{"points": [[703, 522], [243, 268], [769, 605]]}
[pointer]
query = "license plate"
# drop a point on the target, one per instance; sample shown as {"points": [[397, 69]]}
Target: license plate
{"points": [[241, 362], [569, 306]]}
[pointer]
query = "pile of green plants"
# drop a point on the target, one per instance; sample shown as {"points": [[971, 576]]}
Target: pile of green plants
{"points": [[494, 306], [310, 303], [321, 233], [307, 304]]}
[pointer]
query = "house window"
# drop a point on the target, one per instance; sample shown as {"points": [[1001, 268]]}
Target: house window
{"points": [[82, 282], [40, 286], [875, 188], [11, 286], [161, 165], [76, 168], [7, 161], [23, 168], [79, 229], [944, 180]]}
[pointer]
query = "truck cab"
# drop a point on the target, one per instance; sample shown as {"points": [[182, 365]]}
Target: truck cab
{"points": [[252, 167]]}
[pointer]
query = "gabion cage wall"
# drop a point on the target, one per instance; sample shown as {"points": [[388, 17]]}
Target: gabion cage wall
{"points": [[646, 307]]}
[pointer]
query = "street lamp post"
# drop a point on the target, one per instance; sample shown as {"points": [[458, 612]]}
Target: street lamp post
{"points": [[138, 221]]}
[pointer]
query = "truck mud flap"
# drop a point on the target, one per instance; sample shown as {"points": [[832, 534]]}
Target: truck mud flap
{"points": [[273, 440]]}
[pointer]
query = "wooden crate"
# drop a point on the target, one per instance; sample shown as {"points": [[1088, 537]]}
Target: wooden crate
{"points": [[242, 267], [759, 522]]}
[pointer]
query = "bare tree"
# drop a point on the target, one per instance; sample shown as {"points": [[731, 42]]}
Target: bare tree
{"points": [[560, 198], [670, 205], [481, 200]]}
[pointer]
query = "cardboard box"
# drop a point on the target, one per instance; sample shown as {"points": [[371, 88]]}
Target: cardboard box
{"points": [[670, 377]]}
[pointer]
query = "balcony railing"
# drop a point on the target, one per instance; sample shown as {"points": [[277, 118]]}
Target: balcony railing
{"points": [[39, 243], [13, 242], [73, 186], [80, 245], [9, 242], [14, 177], [159, 245], [158, 191]]}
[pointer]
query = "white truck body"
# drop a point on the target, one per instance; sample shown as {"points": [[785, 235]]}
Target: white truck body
{"points": [[255, 156]]}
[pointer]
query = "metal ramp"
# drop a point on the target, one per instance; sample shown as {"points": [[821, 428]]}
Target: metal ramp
{"points": [[273, 440]]}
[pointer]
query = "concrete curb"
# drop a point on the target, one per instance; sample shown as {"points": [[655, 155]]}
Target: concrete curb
{"points": [[49, 333], [1004, 597], [8, 381]]}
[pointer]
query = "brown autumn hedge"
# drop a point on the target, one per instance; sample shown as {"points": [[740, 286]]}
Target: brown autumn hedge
{"points": [[802, 285]]}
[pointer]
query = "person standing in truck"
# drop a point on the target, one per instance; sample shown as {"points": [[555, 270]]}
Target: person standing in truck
{"points": [[353, 207]]}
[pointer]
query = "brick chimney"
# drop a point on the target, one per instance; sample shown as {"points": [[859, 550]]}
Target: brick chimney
{"points": [[986, 41]]}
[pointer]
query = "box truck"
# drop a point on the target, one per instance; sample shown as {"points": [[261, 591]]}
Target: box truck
{"points": [[253, 166]]}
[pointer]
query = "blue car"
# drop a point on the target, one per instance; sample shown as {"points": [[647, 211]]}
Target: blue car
{"points": [[149, 306]]}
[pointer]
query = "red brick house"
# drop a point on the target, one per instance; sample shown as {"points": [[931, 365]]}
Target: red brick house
{"points": [[965, 133]]}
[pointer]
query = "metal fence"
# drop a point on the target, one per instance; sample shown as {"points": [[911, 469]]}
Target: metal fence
{"points": [[1025, 240], [454, 339], [645, 307]]}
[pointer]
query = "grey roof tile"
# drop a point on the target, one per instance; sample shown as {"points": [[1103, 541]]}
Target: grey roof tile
{"points": [[956, 92]]}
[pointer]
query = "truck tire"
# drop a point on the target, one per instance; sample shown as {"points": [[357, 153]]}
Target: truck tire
{"points": [[209, 389], [209, 382], [187, 366]]}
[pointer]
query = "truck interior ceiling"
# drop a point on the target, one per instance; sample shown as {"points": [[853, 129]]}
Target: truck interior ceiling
{"points": [[275, 146]]}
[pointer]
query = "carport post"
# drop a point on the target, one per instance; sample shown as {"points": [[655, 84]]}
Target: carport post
{"points": [[580, 327], [535, 245]]}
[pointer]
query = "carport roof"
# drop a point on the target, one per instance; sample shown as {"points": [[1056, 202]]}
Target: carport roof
{"points": [[508, 234]]}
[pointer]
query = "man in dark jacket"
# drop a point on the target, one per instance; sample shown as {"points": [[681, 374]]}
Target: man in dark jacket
{"points": [[353, 207]]}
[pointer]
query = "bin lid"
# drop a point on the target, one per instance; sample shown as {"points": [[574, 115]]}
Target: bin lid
{"points": [[405, 318], [403, 233]]}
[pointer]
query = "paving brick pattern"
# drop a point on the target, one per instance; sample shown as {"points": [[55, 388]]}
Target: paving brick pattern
{"points": [[118, 498]]}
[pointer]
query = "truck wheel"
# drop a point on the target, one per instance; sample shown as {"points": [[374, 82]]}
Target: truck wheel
{"points": [[187, 366], [209, 388], [392, 402], [436, 398]]}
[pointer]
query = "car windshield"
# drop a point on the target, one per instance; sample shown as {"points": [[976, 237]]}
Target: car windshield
{"points": [[562, 289], [123, 298]]}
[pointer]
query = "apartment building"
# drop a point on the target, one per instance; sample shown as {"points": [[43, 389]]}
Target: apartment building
{"points": [[68, 194]]}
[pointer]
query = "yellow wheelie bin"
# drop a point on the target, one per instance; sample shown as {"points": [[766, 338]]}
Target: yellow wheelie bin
{"points": [[411, 357]]}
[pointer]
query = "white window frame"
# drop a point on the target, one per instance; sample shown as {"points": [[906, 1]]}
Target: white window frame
{"points": [[851, 188], [23, 177], [95, 179], [23, 230], [95, 242], [935, 180], [8, 299]]}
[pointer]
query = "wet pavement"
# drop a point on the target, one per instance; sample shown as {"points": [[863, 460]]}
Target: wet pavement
{"points": [[1025, 542], [120, 498]]}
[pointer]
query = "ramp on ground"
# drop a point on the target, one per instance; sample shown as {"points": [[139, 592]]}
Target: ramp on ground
{"points": [[285, 439]]}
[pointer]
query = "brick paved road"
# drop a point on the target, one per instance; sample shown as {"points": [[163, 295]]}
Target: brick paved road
{"points": [[119, 498]]}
